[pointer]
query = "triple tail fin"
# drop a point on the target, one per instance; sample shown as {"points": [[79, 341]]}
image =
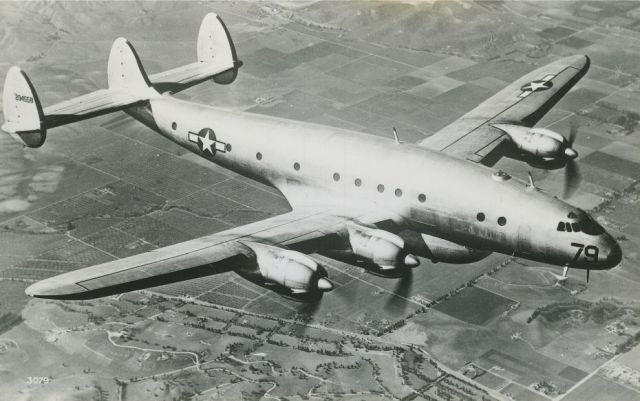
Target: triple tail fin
{"points": [[128, 85]]}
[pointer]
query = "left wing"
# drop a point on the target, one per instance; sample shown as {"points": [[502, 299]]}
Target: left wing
{"points": [[524, 103], [195, 258]]}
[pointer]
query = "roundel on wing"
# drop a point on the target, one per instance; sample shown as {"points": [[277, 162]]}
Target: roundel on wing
{"points": [[535, 86]]}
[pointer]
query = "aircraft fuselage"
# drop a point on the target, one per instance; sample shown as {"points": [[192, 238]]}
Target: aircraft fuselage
{"points": [[429, 191]]}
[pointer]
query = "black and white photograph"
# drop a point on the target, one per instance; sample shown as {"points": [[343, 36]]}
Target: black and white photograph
{"points": [[430, 200]]}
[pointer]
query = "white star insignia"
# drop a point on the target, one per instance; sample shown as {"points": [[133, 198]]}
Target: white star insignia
{"points": [[534, 86], [207, 143]]}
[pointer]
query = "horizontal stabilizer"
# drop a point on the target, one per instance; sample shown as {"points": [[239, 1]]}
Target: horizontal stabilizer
{"points": [[216, 57], [27, 121], [128, 85]]}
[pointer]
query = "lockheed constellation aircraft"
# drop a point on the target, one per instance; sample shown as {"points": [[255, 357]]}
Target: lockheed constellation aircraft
{"points": [[375, 198]]}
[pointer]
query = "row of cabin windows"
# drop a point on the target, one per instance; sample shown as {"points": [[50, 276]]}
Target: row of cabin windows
{"points": [[357, 182], [398, 192], [502, 221]]}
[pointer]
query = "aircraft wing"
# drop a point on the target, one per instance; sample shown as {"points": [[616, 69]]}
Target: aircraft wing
{"points": [[195, 258], [524, 103]]}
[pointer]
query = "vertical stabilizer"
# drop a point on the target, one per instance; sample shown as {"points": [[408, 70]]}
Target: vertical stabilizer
{"points": [[214, 43], [23, 116], [124, 70]]}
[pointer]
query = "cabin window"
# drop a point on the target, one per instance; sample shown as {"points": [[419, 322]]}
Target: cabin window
{"points": [[576, 227], [336, 177], [480, 216], [174, 125], [561, 226], [259, 156], [398, 192], [502, 221], [567, 226], [380, 188], [422, 198], [296, 166], [358, 182]]}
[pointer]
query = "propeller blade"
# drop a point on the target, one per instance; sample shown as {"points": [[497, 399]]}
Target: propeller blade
{"points": [[402, 292], [574, 125], [588, 270], [572, 179]]}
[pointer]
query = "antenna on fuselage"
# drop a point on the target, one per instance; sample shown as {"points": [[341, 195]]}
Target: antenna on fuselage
{"points": [[395, 135], [532, 185]]}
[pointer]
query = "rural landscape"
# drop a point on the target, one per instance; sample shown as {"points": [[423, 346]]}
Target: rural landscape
{"points": [[499, 329]]}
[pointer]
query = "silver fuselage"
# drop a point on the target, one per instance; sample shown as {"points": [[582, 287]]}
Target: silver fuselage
{"points": [[463, 201]]}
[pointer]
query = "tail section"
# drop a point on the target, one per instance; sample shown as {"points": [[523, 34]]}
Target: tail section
{"points": [[128, 85], [216, 56], [23, 115]]}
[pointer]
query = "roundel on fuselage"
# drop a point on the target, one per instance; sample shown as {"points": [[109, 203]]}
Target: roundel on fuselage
{"points": [[207, 142]]}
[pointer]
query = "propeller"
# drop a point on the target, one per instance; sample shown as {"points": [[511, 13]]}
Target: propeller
{"points": [[572, 175], [402, 292]]}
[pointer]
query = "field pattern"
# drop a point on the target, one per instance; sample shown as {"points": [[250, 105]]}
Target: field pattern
{"points": [[109, 188]]}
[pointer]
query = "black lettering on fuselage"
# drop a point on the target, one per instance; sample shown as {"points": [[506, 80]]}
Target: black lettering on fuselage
{"points": [[23, 98]]}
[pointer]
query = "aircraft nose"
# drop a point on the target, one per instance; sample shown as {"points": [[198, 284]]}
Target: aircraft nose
{"points": [[614, 257]]}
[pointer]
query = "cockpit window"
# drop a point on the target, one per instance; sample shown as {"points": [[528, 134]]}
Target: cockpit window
{"points": [[590, 227], [585, 224]]}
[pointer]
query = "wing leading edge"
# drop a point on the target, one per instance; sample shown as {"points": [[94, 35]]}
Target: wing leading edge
{"points": [[524, 102]]}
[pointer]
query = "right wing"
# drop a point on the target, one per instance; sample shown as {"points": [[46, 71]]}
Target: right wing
{"points": [[524, 102], [195, 258]]}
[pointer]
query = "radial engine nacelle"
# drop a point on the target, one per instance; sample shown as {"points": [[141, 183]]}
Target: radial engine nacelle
{"points": [[381, 247], [539, 142], [290, 269], [441, 250]]}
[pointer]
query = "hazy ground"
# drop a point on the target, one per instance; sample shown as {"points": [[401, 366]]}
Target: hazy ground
{"points": [[110, 188]]}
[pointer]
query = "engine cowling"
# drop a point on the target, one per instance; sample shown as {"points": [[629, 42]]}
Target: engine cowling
{"points": [[290, 269], [539, 142], [381, 247], [441, 250]]}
